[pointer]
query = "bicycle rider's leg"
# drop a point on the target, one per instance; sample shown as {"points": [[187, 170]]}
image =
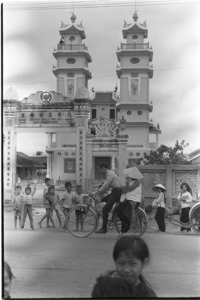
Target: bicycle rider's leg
{"points": [[110, 200], [123, 211]]}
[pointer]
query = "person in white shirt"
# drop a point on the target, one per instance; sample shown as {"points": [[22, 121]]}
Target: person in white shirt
{"points": [[185, 201], [28, 202], [130, 198], [159, 202], [66, 201]]}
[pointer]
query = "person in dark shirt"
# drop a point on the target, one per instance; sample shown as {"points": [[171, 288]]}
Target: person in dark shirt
{"points": [[113, 284], [130, 255]]}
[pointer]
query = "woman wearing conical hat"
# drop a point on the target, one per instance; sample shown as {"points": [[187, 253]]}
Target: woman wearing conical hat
{"points": [[130, 199], [159, 202]]}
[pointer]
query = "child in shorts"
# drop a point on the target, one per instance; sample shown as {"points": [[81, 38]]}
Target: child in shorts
{"points": [[53, 199], [66, 201], [80, 206], [18, 205]]}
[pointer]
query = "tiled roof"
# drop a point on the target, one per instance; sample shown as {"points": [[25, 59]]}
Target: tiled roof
{"points": [[104, 98], [24, 160]]}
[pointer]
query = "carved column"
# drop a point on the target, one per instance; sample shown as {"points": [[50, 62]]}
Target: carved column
{"points": [[82, 109], [9, 163], [122, 141]]}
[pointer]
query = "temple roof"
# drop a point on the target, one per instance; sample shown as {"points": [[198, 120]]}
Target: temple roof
{"points": [[24, 160], [72, 28], [103, 98], [134, 27]]}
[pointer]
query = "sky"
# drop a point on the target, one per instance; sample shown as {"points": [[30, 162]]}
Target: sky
{"points": [[30, 34]]}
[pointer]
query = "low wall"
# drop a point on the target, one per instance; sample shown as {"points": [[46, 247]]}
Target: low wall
{"points": [[171, 176]]}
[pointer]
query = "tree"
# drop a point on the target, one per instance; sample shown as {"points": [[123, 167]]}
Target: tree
{"points": [[167, 155]]}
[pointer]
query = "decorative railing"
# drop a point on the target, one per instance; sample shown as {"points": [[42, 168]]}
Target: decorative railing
{"points": [[71, 47], [135, 46]]}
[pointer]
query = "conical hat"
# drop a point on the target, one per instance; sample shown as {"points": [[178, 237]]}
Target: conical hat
{"points": [[159, 185], [133, 172]]}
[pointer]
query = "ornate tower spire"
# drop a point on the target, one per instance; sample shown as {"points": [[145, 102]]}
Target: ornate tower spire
{"points": [[135, 16], [73, 17]]}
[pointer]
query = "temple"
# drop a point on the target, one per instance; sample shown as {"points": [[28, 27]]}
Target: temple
{"points": [[84, 130]]}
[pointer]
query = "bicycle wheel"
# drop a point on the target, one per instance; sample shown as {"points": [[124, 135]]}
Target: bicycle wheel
{"points": [[194, 217], [85, 227], [140, 223]]}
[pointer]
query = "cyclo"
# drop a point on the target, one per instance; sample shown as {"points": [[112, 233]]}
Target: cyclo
{"points": [[194, 218], [92, 218]]}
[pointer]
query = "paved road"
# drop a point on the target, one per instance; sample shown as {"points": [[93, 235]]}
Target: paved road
{"points": [[52, 263]]}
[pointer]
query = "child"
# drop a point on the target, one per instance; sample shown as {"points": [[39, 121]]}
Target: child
{"points": [[28, 202], [185, 200], [46, 203], [130, 199], [160, 204], [53, 199], [113, 284], [79, 203], [8, 276], [67, 201], [130, 255], [18, 205]]}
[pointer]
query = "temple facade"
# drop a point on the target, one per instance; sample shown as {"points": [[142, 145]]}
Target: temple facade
{"points": [[83, 130]]}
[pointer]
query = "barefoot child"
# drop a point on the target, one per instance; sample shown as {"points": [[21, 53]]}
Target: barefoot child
{"points": [[18, 205], [46, 203], [53, 199], [28, 202], [131, 254], [79, 203], [66, 201]]}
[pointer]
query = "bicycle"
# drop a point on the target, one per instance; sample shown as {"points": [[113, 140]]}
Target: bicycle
{"points": [[92, 218], [194, 219]]}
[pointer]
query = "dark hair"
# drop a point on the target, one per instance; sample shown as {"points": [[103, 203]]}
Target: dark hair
{"points": [[103, 165], [78, 186], [135, 246], [27, 188], [51, 187], [47, 179], [188, 188], [9, 271], [18, 187], [68, 183], [114, 284]]}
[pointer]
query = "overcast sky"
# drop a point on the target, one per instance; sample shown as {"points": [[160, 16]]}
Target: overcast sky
{"points": [[31, 34]]}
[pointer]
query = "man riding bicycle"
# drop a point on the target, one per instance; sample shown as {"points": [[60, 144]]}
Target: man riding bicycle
{"points": [[112, 182]]}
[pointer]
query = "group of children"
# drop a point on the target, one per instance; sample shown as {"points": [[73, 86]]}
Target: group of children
{"points": [[52, 202], [130, 200], [23, 205]]}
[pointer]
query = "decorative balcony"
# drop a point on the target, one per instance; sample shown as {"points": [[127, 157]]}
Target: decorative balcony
{"points": [[135, 46], [79, 47]]}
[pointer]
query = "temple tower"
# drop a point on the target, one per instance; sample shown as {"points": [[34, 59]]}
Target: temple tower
{"points": [[72, 59], [135, 70]]}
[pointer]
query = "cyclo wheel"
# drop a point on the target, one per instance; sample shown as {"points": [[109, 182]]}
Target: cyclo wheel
{"points": [[194, 217], [140, 225], [89, 222]]}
